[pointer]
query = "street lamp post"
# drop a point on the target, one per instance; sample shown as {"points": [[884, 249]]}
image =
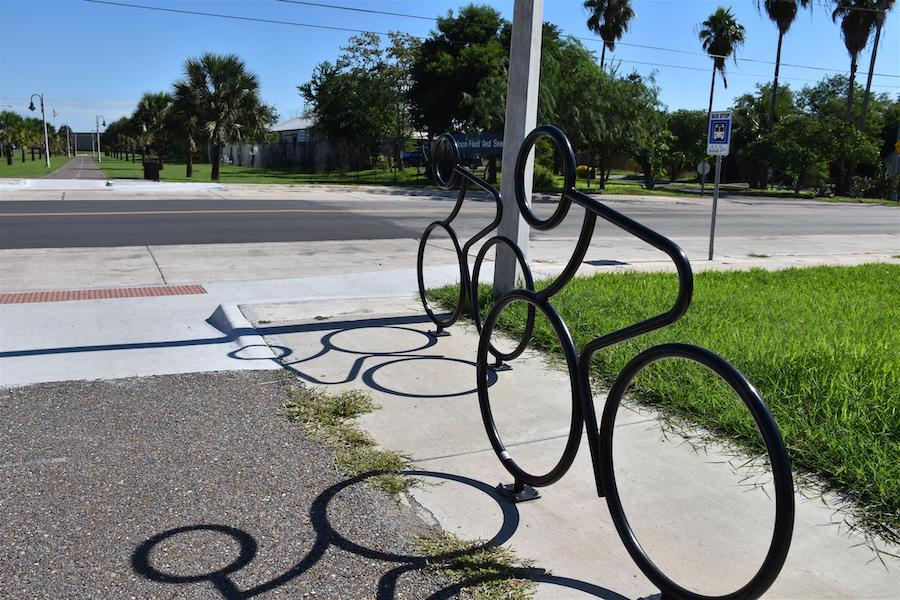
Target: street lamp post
{"points": [[97, 121], [31, 107]]}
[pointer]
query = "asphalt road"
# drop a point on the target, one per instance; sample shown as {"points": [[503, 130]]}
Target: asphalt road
{"points": [[341, 216]]}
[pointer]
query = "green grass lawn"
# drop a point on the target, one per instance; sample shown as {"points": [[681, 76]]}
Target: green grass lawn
{"points": [[30, 169], [743, 190], [175, 171], [821, 344]]}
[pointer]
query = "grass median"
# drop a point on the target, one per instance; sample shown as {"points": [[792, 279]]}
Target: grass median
{"points": [[30, 169], [822, 345], [117, 168]]}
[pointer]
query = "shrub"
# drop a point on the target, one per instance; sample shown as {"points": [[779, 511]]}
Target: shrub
{"points": [[382, 162], [543, 179], [582, 172], [879, 186]]}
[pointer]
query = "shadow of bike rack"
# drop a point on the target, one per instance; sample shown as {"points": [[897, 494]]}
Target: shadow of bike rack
{"points": [[327, 536]]}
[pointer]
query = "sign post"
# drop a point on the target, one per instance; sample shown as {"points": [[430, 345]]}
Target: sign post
{"points": [[703, 170], [718, 144]]}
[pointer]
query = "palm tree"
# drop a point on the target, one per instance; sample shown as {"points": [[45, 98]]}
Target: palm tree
{"points": [[883, 7], [152, 114], [857, 21], [721, 36], [186, 111], [609, 19], [228, 103], [782, 13], [32, 135], [10, 133]]}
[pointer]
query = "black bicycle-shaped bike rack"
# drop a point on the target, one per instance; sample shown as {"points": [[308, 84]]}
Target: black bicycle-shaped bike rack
{"points": [[584, 417]]}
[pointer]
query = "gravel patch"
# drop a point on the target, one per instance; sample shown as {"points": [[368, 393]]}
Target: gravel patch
{"points": [[187, 486]]}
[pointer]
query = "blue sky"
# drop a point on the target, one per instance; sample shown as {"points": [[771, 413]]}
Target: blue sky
{"points": [[91, 59]]}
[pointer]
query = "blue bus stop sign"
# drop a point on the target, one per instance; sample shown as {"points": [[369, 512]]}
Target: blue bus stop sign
{"points": [[718, 139]]}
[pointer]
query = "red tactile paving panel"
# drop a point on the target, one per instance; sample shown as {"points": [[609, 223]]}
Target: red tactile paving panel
{"points": [[135, 292]]}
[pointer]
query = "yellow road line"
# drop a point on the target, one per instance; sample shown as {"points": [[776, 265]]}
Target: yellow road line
{"points": [[227, 211]]}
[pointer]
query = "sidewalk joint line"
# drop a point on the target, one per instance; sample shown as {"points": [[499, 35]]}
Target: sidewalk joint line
{"points": [[152, 256]]}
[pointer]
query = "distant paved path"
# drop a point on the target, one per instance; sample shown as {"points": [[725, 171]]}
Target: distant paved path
{"points": [[80, 167]]}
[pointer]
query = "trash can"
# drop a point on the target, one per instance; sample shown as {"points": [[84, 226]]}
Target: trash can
{"points": [[151, 170]]}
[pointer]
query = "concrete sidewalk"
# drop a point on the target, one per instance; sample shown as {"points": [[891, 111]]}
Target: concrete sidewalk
{"points": [[79, 268], [79, 168], [693, 511], [136, 336]]}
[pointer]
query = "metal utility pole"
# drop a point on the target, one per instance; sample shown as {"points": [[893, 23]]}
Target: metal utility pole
{"points": [[44, 119], [521, 118]]}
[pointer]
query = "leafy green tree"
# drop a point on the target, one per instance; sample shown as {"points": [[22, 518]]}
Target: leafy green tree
{"points": [[647, 138], [229, 106], [359, 101], [687, 146], [828, 97], [609, 19], [802, 146], [721, 36], [118, 136], [782, 13], [857, 19], [449, 70], [750, 125], [579, 105], [888, 135], [882, 8]]}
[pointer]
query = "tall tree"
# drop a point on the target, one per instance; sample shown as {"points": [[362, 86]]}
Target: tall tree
{"points": [[782, 13], [359, 102], [186, 119], [721, 36], [463, 51], [883, 7], [11, 132], [228, 103], [609, 19], [32, 135], [152, 116], [688, 144], [857, 21]]}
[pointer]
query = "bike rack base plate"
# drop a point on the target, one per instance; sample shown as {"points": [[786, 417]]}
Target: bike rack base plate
{"points": [[517, 492], [497, 367]]}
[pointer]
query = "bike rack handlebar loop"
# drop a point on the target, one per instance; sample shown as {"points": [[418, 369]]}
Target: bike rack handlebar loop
{"points": [[567, 155], [444, 182]]}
